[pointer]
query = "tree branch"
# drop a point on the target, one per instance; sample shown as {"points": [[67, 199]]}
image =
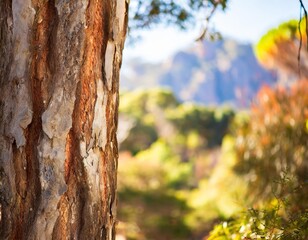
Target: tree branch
{"points": [[302, 7]]}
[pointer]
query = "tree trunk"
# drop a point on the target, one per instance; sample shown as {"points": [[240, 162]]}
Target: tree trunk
{"points": [[59, 81]]}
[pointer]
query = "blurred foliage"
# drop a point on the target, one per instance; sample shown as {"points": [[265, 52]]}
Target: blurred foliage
{"points": [[272, 158], [188, 179], [156, 113], [220, 195], [275, 140], [272, 149], [277, 220], [159, 184], [138, 102], [281, 46], [148, 186], [180, 13], [210, 124], [176, 12], [183, 168], [158, 198], [263, 224], [140, 107]]}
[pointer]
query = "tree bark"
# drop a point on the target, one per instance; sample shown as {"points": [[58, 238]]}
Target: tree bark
{"points": [[59, 81]]}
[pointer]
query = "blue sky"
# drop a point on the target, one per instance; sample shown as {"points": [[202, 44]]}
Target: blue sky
{"points": [[244, 20]]}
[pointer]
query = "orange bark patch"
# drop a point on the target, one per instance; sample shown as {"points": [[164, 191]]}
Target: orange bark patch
{"points": [[69, 155], [91, 71], [75, 204]]}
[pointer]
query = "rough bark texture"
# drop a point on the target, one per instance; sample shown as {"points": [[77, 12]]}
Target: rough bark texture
{"points": [[59, 81]]}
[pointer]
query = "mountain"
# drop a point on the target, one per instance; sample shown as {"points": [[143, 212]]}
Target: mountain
{"points": [[208, 73]]}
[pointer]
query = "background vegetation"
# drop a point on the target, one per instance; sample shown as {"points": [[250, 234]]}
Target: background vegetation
{"points": [[193, 172]]}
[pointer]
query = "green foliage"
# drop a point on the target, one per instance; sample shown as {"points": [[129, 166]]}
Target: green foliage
{"points": [[140, 107], [144, 135], [272, 153], [180, 13], [156, 111], [182, 184], [281, 47], [159, 184], [176, 173], [210, 124], [266, 223], [154, 213], [138, 103], [269, 42], [275, 141], [272, 149], [220, 195], [146, 14], [148, 192], [157, 193]]}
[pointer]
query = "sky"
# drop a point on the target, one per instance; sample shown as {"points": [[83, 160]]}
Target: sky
{"points": [[243, 20]]}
